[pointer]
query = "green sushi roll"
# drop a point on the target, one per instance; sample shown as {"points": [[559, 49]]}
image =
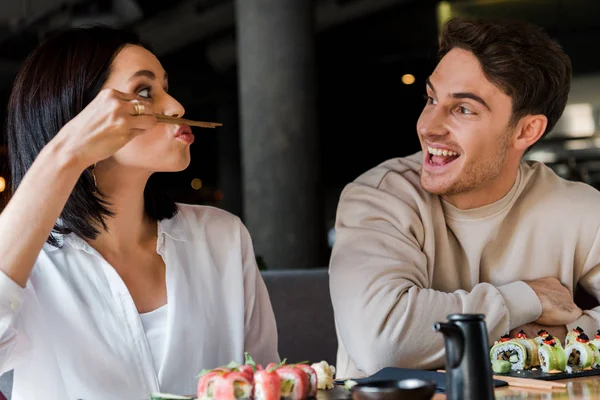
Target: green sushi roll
{"points": [[552, 356], [512, 351], [579, 353], [595, 345], [542, 334], [573, 335], [531, 345]]}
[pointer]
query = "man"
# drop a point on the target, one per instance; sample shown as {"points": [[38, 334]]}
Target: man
{"points": [[466, 226]]}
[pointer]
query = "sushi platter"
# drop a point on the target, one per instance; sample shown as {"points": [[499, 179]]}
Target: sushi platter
{"points": [[539, 374], [545, 357], [236, 381]]}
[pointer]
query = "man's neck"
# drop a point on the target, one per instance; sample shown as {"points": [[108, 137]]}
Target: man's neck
{"points": [[486, 194]]}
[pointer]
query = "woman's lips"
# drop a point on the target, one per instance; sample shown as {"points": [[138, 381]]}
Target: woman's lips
{"points": [[184, 133]]}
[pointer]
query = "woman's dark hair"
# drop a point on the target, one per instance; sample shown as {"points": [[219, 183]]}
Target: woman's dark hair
{"points": [[56, 82], [520, 59]]}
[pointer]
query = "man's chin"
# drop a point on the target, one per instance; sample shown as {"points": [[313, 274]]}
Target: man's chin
{"points": [[436, 186]]}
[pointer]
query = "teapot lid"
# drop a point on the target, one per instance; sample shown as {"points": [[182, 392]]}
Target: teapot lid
{"points": [[466, 317]]}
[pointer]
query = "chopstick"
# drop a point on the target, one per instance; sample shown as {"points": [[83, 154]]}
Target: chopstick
{"points": [[530, 383], [179, 121], [527, 383]]}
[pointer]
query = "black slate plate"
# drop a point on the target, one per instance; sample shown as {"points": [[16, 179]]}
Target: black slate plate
{"points": [[538, 374], [391, 373]]}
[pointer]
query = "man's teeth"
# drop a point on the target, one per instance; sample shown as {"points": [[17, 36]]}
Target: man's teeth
{"points": [[441, 152]]}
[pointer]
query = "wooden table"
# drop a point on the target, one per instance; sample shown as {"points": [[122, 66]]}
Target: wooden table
{"points": [[579, 389]]}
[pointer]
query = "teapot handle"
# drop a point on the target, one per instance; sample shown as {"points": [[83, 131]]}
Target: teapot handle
{"points": [[454, 342]]}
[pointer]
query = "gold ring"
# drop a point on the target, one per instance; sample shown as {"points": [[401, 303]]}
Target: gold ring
{"points": [[139, 108]]}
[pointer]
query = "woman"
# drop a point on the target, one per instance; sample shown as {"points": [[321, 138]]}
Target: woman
{"points": [[109, 290]]}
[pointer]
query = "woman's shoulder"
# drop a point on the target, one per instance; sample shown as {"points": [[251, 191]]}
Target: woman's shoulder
{"points": [[207, 214], [192, 219]]}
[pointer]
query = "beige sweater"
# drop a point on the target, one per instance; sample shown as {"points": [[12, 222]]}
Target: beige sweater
{"points": [[404, 259]]}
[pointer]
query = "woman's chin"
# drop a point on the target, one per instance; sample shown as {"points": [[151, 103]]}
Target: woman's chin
{"points": [[176, 166]]}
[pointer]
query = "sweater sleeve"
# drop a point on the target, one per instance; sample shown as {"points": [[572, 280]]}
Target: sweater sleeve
{"points": [[590, 281], [381, 287]]}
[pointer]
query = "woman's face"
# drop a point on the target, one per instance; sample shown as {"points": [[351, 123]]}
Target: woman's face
{"points": [[137, 71]]}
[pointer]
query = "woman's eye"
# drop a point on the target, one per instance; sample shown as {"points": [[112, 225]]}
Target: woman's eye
{"points": [[144, 93]]}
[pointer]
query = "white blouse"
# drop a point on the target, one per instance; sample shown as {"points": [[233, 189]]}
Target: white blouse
{"points": [[155, 328], [74, 332]]}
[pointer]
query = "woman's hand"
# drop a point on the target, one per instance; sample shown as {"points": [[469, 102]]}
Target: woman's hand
{"points": [[108, 123]]}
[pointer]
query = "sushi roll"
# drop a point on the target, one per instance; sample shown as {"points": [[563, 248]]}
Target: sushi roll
{"points": [[512, 351], [503, 339], [531, 345], [267, 385], [232, 386], [273, 366], [595, 345], [571, 336], [579, 353], [206, 383], [542, 334], [294, 383], [552, 356], [248, 372], [313, 383]]}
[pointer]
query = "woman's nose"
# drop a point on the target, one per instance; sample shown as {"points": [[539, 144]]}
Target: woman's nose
{"points": [[172, 107]]}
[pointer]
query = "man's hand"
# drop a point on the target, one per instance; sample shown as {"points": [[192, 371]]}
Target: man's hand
{"points": [[558, 307], [532, 329]]}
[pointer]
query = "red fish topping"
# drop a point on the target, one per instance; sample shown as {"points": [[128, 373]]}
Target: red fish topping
{"points": [[247, 371], [549, 340], [543, 332], [598, 334], [301, 382], [583, 338], [521, 335], [269, 383], [578, 330], [504, 338], [224, 385], [208, 379], [313, 380]]}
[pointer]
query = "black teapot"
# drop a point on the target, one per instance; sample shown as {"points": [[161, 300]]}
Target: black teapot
{"points": [[468, 369]]}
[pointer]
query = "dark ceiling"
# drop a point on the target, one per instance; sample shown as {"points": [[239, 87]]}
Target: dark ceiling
{"points": [[363, 47]]}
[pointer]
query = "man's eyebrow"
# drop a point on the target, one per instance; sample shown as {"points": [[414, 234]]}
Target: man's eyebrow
{"points": [[472, 96], [461, 95], [428, 83]]}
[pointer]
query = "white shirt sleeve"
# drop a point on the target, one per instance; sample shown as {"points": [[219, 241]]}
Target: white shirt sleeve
{"points": [[11, 299], [260, 326]]}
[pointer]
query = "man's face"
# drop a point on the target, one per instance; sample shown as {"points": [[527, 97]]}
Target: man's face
{"points": [[464, 129]]}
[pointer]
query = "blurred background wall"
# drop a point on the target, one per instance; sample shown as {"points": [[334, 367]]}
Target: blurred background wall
{"points": [[311, 94]]}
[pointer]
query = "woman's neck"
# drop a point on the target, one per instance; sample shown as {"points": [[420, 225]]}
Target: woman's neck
{"points": [[130, 227]]}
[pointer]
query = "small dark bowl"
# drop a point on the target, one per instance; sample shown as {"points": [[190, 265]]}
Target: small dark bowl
{"points": [[413, 389]]}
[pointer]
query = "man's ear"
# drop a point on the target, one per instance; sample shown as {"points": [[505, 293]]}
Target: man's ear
{"points": [[530, 129]]}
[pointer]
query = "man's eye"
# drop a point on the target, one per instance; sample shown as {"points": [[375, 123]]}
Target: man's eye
{"points": [[465, 110], [430, 100]]}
